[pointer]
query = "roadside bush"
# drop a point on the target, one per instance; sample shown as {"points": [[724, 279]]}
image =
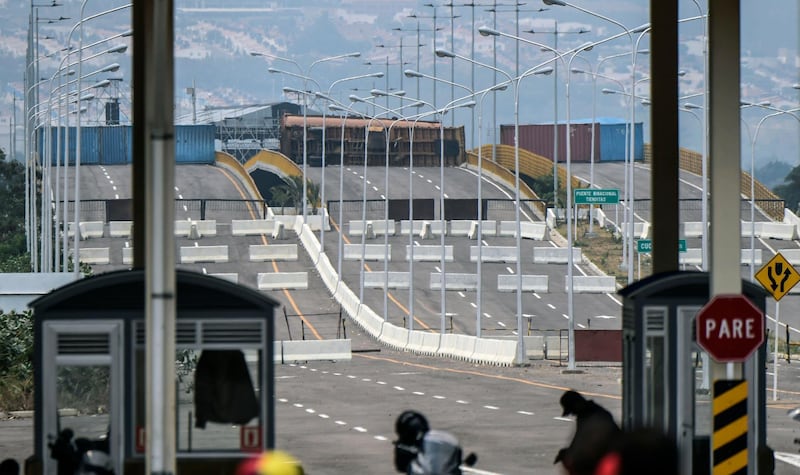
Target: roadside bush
{"points": [[16, 361]]}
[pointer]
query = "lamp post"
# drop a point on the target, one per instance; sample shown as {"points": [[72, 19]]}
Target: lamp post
{"points": [[305, 76], [515, 82]]}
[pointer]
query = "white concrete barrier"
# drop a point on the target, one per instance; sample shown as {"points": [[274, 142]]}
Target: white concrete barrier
{"points": [[273, 252], [204, 228], [470, 228], [746, 256], [791, 255], [317, 221], [229, 276], [282, 280], [377, 280], [640, 230], [88, 229], [394, 336], [692, 229], [372, 252], [423, 342], [692, 257], [315, 350], [250, 227], [127, 256], [430, 253], [556, 255], [589, 284], [93, 255], [379, 227], [425, 232], [528, 230], [120, 229], [783, 231], [193, 254], [420, 225], [454, 281], [278, 230], [493, 254], [530, 283]]}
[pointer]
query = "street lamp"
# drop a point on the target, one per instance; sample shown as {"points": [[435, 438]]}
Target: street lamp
{"points": [[305, 76]]}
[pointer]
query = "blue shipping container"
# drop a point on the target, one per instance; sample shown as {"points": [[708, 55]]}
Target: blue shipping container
{"points": [[113, 145], [615, 141]]}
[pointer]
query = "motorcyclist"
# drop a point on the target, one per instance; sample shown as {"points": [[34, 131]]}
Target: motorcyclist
{"points": [[420, 450]]}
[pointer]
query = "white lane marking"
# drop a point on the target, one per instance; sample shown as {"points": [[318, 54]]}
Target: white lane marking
{"points": [[790, 458], [510, 270], [437, 269], [565, 316], [473, 304], [350, 376], [324, 416], [375, 188], [493, 408], [501, 324], [337, 374], [114, 187], [313, 370], [380, 437], [429, 180], [111, 181], [366, 380], [525, 413], [565, 419], [311, 411], [185, 208], [487, 315], [484, 242], [605, 317], [537, 296], [462, 402], [437, 187], [116, 197], [180, 197], [283, 399], [341, 423], [176, 188], [446, 196], [580, 325], [439, 397], [382, 383], [418, 393], [461, 294], [383, 197], [552, 307], [359, 429], [400, 388], [297, 404], [369, 182]]}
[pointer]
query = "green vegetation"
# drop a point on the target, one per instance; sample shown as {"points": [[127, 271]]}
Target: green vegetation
{"points": [[790, 189], [290, 194]]}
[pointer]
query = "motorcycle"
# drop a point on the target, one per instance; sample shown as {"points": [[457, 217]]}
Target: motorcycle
{"points": [[420, 450]]}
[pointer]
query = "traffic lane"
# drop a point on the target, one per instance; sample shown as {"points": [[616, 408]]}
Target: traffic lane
{"points": [[500, 413]]}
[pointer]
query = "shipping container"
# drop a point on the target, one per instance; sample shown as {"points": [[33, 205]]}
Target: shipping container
{"points": [[610, 139], [113, 145]]}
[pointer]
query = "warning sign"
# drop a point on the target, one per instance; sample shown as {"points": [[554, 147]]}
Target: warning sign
{"points": [[250, 438], [778, 276]]}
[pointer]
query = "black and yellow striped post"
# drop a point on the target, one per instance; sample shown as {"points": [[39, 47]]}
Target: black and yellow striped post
{"points": [[729, 442]]}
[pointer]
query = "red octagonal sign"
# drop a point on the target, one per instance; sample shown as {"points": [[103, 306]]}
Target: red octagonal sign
{"points": [[730, 328]]}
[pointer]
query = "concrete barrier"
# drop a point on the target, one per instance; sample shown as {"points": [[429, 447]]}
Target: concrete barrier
{"points": [[425, 232], [454, 281], [229, 276], [430, 253], [194, 254], [419, 225], [93, 255], [530, 283], [640, 230], [127, 256], [293, 351], [592, 284], [204, 228], [278, 230], [791, 255], [746, 256], [250, 227], [470, 228], [394, 336], [282, 280], [92, 229], [377, 280], [423, 342], [692, 257], [379, 227], [782, 231], [493, 254], [692, 229], [273, 252], [120, 229], [556, 255], [372, 252], [528, 230]]}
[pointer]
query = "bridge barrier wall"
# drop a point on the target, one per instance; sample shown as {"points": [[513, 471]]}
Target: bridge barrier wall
{"points": [[206, 227], [556, 255], [250, 227], [530, 283], [454, 281], [372, 252], [194, 254], [282, 280], [430, 253], [377, 280], [120, 229], [587, 284], [426, 343], [493, 254], [229, 276], [357, 227], [273, 252], [394, 336], [293, 351]]}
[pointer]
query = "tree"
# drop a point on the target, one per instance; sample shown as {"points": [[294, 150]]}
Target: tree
{"points": [[291, 192], [790, 189]]}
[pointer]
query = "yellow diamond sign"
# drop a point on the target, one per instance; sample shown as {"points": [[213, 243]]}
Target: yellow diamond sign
{"points": [[778, 276]]}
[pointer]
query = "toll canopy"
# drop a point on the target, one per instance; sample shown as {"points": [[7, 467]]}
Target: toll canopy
{"points": [[89, 364]]}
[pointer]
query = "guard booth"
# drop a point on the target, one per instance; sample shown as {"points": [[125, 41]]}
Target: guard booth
{"points": [[89, 366], [666, 382]]}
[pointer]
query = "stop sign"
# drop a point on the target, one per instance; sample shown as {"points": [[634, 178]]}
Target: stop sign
{"points": [[730, 328]]}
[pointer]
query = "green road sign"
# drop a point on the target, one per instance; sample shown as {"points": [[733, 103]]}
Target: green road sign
{"points": [[645, 246], [588, 196]]}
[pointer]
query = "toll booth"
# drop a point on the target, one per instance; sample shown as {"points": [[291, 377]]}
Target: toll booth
{"points": [[666, 382], [89, 365]]}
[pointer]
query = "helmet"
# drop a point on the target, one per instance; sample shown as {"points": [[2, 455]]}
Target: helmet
{"points": [[410, 427], [274, 462]]}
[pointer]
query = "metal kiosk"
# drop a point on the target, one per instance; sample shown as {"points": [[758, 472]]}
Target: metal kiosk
{"points": [[665, 378], [89, 364]]}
